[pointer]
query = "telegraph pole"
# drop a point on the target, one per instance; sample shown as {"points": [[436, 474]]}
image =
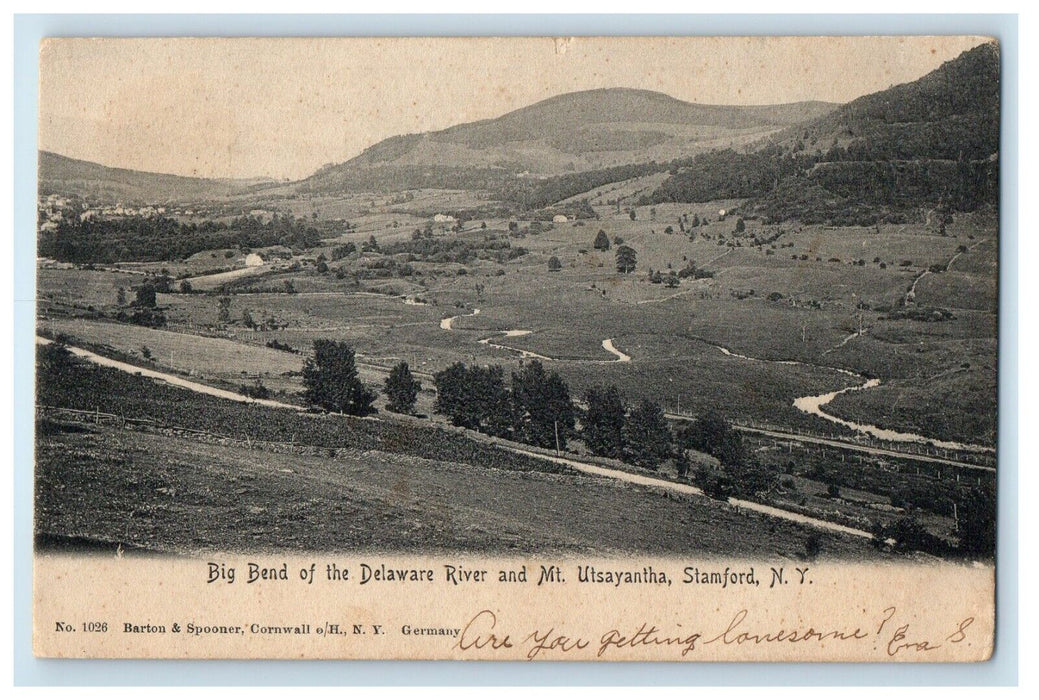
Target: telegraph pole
{"points": [[555, 424]]}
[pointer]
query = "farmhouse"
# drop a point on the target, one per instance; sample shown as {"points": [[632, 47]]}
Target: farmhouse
{"points": [[559, 219], [443, 218], [253, 260]]}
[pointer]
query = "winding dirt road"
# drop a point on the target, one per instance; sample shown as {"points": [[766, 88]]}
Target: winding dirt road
{"points": [[169, 378], [583, 467]]}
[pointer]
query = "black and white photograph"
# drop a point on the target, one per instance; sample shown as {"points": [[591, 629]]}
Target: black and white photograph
{"points": [[683, 298]]}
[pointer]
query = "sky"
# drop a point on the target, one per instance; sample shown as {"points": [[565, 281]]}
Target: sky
{"points": [[284, 107]]}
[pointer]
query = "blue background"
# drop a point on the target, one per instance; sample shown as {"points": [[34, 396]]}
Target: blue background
{"points": [[29, 29]]}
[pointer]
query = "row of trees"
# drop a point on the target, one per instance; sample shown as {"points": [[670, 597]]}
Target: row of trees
{"points": [[536, 407], [331, 382], [639, 434], [143, 238]]}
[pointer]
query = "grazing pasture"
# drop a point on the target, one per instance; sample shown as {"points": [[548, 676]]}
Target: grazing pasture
{"points": [[766, 324]]}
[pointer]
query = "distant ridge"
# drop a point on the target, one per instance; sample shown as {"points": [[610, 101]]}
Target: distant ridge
{"points": [[578, 131], [933, 142], [62, 175]]}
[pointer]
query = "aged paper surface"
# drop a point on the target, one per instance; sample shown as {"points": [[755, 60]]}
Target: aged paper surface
{"points": [[631, 349]]}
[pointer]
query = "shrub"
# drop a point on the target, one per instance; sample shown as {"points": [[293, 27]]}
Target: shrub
{"points": [[813, 546], [255, 391]]}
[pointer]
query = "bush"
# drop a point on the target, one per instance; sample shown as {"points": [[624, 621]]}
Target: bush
{"points": [[712, 434], [255, 391], [976, 522], [907, 534], [813, 546], [751, 480], [715, 483], [284, 347]]}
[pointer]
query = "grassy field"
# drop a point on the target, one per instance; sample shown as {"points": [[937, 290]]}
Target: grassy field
{"points": [[331, 483], [803, 302], [179, 496]]}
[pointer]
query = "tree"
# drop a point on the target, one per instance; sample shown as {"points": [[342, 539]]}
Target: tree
{"points": [[976, 522], [632, 215], [908, 534], [602, 427], [602, 241], [185, 287], [626, 259], [401, 389], [224, 309], [56, 364], [741, 226], [331, 381], [451, 385], [542, 408], [712, 434], [145, 297], [750, 479], [120, 297], [255, 390], [554, 265], [474, 398], [646, 435]]}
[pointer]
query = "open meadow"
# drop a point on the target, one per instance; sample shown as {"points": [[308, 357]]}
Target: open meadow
{"points": [[768, 324]]}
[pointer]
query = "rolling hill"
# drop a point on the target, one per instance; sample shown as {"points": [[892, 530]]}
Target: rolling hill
{"points": [[578, 131], [950, 113], [66, 176], [934, 141]]}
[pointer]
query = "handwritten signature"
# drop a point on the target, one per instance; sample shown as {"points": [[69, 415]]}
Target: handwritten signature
{"points": [[484, 632]]}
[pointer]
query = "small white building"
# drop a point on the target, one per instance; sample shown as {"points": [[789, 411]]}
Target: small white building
{"points": [[559, 219], [443, 218], [253, 260]]}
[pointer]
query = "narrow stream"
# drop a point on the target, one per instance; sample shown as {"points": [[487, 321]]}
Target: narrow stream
{"points": [[813, 405]]}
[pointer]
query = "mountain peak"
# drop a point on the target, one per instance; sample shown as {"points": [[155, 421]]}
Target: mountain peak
{"points": [[583, 130]]}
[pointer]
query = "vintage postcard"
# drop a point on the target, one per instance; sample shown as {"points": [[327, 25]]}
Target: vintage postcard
{"points": [[670, 349]]}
